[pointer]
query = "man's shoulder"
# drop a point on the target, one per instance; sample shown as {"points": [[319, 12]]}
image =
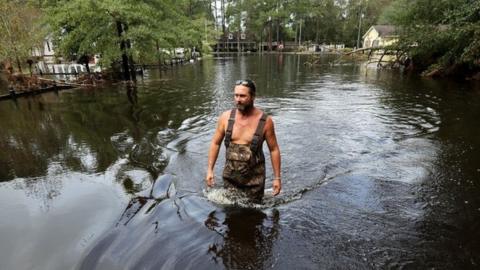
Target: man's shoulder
{"points": [[259, 112], [226, 114], [265, 114]]}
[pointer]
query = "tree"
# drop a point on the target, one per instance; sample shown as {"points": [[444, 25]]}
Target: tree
{"points": [[440, 36], [124, 29], [312, 20], [358, 16], [108, 28], [260, 18], [20, 29]]}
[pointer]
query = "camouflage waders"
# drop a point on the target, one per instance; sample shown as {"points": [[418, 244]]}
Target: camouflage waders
{"points": [[245, 163]]}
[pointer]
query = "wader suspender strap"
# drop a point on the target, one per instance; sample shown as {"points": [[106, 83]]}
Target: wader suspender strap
{"points": [[257, 137], [228, 133]]}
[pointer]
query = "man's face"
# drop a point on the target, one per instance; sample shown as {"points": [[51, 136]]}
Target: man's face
{"points": [[243, 99]]}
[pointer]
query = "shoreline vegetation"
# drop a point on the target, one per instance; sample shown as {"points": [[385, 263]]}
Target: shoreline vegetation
{"points": [[432, 38], [21, 84], [33, 84]]}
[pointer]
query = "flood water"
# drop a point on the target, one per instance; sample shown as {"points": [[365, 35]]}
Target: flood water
{"points": [[380, 170]]}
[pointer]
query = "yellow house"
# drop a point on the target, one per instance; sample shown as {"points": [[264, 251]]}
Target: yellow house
{"points": [[379, 36]]}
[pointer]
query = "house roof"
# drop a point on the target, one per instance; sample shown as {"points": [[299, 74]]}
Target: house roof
{"points": [[383, 30]]}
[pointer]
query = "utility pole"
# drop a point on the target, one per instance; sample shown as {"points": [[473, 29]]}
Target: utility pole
{"points": [[300, 35], [359, 30], [222, 11], [239, 31], [359, 26], [215, 14], [270, 34], [278, 25]]}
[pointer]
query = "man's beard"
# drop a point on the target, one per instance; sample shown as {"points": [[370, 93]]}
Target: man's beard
{"points": [[245, 107]]}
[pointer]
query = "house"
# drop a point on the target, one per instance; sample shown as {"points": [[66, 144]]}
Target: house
{"points": [[48, 62], [379, 36], [230, 42], [45, 55]]}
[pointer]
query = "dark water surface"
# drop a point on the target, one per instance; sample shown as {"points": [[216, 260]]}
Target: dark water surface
{"points": [[380, 170]]}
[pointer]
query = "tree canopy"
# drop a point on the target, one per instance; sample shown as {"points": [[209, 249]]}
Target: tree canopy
{"points": [[20, 30], [441, 36], [98, 27], [319, 21]]}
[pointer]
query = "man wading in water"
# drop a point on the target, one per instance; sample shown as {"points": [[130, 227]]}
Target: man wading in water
{"points": [[244, 129]]}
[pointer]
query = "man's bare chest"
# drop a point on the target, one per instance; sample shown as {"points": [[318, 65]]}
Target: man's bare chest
{"points": [[243, 130]]}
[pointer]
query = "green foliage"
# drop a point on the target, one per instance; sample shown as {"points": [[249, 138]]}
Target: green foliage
{"points": [[443, 35], [206, 48], [20, 31], [88, 27], [322, 21]]}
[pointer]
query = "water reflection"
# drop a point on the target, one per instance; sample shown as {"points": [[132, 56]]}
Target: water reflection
{"points": [[133, 99], [379, 171], [248, 237], [35, 134], [166, 230]]}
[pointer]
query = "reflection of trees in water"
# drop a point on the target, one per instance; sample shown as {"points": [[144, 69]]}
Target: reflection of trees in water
{"points": [[89, 130], [35, 136], [248, 236], [78, 137], [28, 140], [44, 189]]}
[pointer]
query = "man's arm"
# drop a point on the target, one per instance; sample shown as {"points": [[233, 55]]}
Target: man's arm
{"points": [[271, 139], [215, 148]]}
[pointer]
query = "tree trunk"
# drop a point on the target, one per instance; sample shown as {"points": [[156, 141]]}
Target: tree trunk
{"points": [[30, 63], [18, 64], [296, 34], [84, 60], [131, 64], [123, 48], [222, 7]]}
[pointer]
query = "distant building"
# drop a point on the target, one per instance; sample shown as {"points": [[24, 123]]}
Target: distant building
{"points": [[330, 47], [379, 36], [47, 53], [231, 40], [48, 62]]}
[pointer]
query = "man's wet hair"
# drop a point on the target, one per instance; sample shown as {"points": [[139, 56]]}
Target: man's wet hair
{"points": [[248, 83]]}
